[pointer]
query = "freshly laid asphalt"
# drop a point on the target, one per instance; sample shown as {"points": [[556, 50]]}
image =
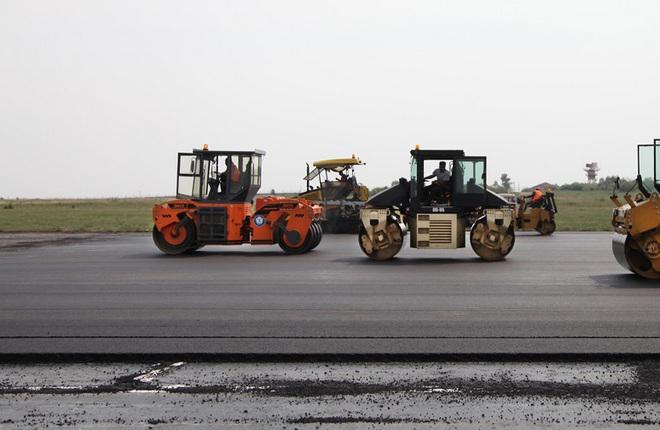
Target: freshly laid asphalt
{"points": [[118, 294]]}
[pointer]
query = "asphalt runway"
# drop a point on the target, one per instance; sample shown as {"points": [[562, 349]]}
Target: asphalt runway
{"points": [[118, 294]]}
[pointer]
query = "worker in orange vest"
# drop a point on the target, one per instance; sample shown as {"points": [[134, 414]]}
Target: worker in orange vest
{"points": [[234, 176], [537, 198]]}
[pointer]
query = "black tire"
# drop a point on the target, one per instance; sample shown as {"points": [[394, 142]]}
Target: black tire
{"points": [[315, 236], [547, 228], [188, 243], [316, 227], [302, 249]]}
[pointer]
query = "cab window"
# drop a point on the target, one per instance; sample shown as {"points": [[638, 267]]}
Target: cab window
{"points": [[470, 177]]}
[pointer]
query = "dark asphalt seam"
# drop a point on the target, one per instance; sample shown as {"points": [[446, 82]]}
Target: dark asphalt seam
{"points": [[361, 420], [70, 240], [330, 337], [314, 388], [646, 371]]}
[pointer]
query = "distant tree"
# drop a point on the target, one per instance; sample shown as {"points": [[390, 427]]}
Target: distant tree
{"points": [[496, 187], [506, 182], [272, 191], [608, 183], [574, 186], [603, 184]]}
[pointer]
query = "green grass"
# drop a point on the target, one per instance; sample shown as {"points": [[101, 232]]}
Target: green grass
{"points": [[578, 211], [90, 215], [584, 211]]}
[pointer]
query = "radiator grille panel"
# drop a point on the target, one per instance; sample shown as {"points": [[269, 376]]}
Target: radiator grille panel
{"points": [[441, 232], [213, 224]]}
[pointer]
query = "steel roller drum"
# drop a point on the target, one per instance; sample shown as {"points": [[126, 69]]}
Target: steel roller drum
{"points": [[619, 250], [630, 257]]}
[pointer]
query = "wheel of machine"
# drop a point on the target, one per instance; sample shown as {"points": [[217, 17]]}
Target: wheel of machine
{"points": [[318, 234], [546, 228], [386, 253], [483, 251], [287, 241], [175, 241], [630, 256]]}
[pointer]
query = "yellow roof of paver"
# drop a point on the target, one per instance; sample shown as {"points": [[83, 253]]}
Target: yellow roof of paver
{"points": [[337, 162]]}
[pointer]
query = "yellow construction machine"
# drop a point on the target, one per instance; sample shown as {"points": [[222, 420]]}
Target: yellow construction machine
{"points": [[636, 242], [538, 216], [338, 191]]}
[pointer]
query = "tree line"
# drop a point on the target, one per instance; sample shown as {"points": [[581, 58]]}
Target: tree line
{"points": [[504, 185]]}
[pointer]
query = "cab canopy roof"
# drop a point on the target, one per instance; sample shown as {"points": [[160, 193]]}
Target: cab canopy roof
{"points": [[338, 164], [437, 154], [334, 165], [214, 153]]}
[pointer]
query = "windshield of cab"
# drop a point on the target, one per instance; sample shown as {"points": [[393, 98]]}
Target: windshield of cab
{"points": [[219, 177], [656, 144], [471, 176], [647, 168]]}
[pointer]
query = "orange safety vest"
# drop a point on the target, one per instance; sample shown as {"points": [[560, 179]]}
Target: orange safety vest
{"points": [[538, 195], [235, 174]]}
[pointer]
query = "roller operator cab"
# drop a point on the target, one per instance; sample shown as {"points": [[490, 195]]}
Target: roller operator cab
{"points": [[636, 242], [214, 206], [446, 194]]}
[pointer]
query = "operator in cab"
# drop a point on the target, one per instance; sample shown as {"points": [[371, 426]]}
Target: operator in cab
{"points": [[234, 176], [441, 175], [536, 198], [441, 187]]}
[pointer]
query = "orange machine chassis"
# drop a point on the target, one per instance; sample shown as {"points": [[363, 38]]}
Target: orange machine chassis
{"points": [[182, 226]]}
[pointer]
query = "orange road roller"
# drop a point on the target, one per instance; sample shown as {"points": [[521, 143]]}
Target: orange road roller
{"points": [[214, 206]]}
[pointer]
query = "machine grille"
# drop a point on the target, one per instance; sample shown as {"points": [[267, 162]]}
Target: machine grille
{"points": [[213, 224], [440, 231]]}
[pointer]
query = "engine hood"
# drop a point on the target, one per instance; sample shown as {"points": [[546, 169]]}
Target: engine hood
{"points": [[398, 195]]}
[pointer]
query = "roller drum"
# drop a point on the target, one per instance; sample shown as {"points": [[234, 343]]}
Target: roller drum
{"points": [[630, 256], [397, 233], [494, 251], [619, 249]]}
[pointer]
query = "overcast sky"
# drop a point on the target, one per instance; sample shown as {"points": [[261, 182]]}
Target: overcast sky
{"points": [[97, 97]]}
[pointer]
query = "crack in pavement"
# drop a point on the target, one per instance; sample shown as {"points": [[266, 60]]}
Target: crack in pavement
{"points": [[645, 387], [72, 239], [310, 394]]}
